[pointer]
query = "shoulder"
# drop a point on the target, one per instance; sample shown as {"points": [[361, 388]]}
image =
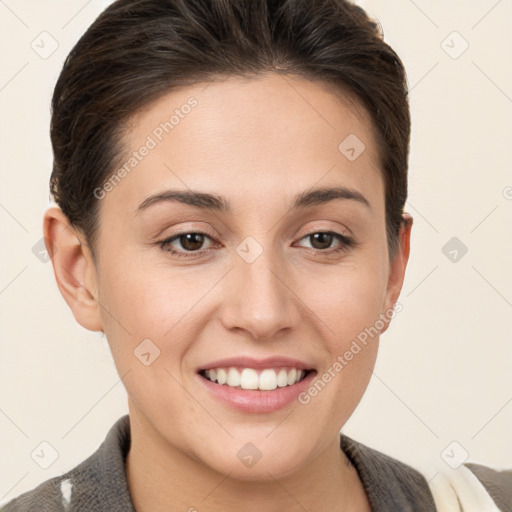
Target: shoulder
{"points": [[498, 484], [473, 487], [389, 483], [434, 487], [97, 483], [54, 494], [44, 498]]}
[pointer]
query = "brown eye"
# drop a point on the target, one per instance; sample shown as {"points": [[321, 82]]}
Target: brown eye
{"points": [[191, 241], [327, 242], [186, 244], [321, 240]]}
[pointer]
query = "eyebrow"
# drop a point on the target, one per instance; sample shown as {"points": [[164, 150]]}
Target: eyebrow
{"points": [[215, 202]]}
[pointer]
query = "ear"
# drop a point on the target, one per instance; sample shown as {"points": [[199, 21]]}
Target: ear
{"points": [[73, 267], [397, 267]]}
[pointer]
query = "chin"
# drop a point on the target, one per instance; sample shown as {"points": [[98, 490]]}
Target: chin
{"points": [[248, 463]]}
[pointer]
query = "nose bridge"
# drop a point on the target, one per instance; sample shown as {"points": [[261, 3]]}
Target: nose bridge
{"points": [[261, 301]]}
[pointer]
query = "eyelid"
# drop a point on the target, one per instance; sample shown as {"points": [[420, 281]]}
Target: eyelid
{"points": [[175, 236], [337, 228], [327, 231], [345, 243], [185, 231], [201, 231]]}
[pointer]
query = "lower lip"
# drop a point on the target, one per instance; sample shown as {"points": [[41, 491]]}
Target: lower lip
{"points": [[256, 401]]}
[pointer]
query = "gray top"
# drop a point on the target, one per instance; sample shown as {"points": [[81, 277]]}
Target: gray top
{"points": [[99, 482]]}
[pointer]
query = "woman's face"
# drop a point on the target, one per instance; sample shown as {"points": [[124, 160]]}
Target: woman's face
{"points": [[259, 280]]}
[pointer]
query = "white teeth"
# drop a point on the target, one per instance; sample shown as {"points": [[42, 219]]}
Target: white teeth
{"points": [[268, 379], [222, 377], [248, 379], [233, 378], [282, 378]]}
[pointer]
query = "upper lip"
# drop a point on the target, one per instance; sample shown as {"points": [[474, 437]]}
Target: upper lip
{"points": [[249, 362]]}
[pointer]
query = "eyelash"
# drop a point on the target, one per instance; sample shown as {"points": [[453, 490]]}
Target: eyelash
{"points": [[346, 244]]}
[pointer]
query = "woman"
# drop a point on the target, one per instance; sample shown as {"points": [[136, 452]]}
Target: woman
{"points": [[230, 179]]}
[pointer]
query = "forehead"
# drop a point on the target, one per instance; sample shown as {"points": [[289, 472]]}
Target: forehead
{"points": [[270, 135]]}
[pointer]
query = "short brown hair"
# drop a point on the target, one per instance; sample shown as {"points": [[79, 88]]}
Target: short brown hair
{"points": [[138, 50]]}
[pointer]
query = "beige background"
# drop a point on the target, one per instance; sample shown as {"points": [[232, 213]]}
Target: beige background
{"points": [[444, 369]]}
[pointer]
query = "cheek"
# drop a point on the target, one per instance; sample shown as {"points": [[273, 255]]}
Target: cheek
{"points": [[348, 302], [350, 305], [351, 309], [145, 316], [145, 297], [148, 302]]}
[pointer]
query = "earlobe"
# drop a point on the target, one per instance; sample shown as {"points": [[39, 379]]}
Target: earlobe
{"points": [[398, 266], [73, 267]]}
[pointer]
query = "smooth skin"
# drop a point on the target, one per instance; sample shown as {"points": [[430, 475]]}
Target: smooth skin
{"points": [[258, 142]]}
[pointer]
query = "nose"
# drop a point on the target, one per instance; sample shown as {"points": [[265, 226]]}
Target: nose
{"points": [[261, 299]]}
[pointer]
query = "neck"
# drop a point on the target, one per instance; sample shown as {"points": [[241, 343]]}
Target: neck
{"points": [[163, 478]]}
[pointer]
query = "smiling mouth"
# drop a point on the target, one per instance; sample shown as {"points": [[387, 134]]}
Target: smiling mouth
{"points": [[266, 379]]}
